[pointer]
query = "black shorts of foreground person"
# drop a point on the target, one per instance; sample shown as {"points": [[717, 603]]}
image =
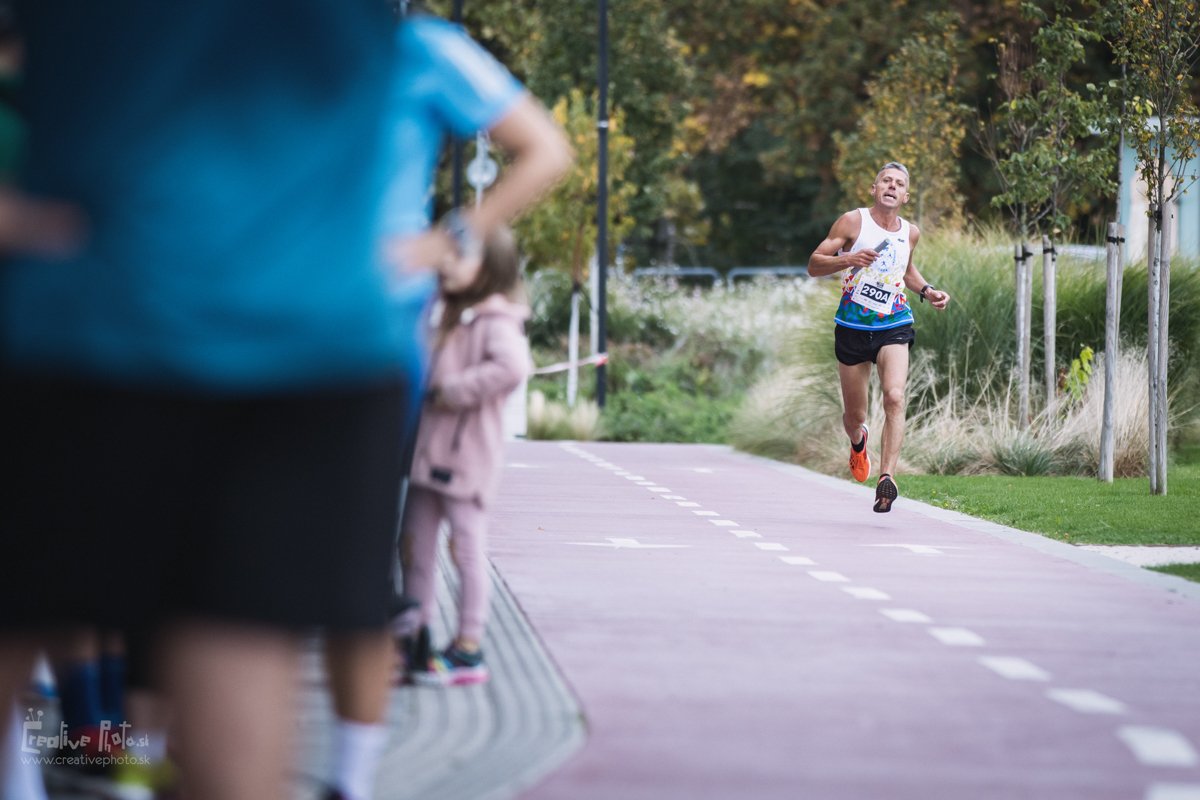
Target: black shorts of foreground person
{"points": [[853, 346], [129, 507]]}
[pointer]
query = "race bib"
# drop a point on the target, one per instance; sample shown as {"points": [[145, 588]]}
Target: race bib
{"points": [[875, 296]]}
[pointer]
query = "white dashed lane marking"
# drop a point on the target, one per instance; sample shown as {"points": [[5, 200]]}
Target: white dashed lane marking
{"points": [[865, 593], [1087, 701], [1173, 791], [1013, 668], [1158, 747], [1149, 745], [957, 637], [829, 577], [905, 615]]}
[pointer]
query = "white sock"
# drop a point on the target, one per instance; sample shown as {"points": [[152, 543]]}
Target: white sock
{"points": [[357, 748], [22, 775]]}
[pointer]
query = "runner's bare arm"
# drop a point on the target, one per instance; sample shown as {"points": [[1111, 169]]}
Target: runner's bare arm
{"points": [[826, 261], [913, 278]]}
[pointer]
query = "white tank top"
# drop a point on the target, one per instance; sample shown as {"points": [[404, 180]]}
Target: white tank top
{"points": [[873, 297]]}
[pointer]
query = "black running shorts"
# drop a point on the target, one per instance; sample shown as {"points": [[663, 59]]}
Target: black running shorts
{"points": [[853, 346], [126, 508]]}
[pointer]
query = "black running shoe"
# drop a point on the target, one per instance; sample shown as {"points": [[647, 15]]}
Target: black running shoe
{"points": [[885, 493]]}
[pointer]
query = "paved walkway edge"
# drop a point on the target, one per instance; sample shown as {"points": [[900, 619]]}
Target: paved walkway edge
{"points": [[1035, 541]]}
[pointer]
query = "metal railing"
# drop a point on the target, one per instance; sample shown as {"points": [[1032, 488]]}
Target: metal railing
{"points": [[712, 274]]}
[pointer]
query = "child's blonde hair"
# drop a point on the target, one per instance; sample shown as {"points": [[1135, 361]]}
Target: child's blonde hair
{"points": [[499, 274]]}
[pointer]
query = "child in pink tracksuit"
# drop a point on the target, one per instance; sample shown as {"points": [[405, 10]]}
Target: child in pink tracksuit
{"points": [[481, 355]]}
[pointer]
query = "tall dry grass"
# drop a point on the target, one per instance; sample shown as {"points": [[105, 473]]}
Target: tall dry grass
{"points": [[551, 420], [796, 415]]}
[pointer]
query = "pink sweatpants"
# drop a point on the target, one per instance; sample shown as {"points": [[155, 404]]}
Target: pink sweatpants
{"points": [[424, 511]]}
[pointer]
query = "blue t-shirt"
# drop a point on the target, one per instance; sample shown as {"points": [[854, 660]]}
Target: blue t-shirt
{"points": [[444, 83], [227, 153]]}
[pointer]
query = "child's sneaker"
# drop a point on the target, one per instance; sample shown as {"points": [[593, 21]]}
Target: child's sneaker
{"points": [[453, 667]]}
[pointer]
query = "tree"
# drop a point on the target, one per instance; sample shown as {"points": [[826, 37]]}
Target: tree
{"points": [[1158, 41], [560, 231], [649, 80], [1038, 146], [1036, 139], [914, 116]]}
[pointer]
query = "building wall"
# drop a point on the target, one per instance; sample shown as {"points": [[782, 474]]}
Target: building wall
{"points": [[1134, 205]]}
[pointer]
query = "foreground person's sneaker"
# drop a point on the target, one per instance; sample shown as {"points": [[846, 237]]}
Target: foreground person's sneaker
{"points": [[860, 462], [453, 667], [885, 493]]}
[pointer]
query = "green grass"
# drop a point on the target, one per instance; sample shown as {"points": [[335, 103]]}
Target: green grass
{"points": [[1077, 510], [1189, 571]]}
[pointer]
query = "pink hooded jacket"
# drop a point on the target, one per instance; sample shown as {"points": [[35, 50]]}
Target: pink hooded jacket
{"points": [[481, 361]]}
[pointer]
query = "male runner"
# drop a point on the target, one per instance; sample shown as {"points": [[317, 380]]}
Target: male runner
{"points": [[874, 321]]}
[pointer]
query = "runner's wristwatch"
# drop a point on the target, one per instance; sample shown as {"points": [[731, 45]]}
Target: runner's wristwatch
{"points": [[923, 289]]}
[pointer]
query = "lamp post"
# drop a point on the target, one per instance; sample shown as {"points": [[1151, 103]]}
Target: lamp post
{"points": [[602, 197], [457, 149]]}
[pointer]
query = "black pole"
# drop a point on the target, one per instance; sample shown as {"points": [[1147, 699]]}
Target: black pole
{"points": [[457, 149], [602, 200]]}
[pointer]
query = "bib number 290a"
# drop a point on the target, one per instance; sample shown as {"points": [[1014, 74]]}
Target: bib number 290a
{"points": [[874, 296]]}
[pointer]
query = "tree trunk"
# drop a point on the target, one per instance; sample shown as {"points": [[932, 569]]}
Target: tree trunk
{"points": [[1049, 315], [573, 349], [1022, 313], [1164, 308], [1112, 338], [1154, 244], [594, 305], [1026, 289]]}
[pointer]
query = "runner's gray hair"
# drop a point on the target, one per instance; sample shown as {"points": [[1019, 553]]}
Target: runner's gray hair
{"points": [[894, 165]]}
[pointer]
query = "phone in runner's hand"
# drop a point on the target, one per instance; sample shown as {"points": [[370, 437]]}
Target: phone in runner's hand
{"points": [[879, 248]]}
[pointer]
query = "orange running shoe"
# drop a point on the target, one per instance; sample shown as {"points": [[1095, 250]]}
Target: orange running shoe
{"points": [[860, 462]]}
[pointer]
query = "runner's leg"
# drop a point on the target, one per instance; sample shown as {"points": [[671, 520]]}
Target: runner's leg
{"points": [[854, 380], [893, 376], [233, 690]]}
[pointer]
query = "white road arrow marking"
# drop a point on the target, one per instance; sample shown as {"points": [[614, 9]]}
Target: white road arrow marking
{"points": [[632, 544]]}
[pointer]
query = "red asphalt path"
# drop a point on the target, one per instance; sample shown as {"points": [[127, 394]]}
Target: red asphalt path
{"points": [[717, 670]]}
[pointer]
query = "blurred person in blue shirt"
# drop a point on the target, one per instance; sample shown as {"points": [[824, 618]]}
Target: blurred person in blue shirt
{"points": [[201, 382], [444, 85]]}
